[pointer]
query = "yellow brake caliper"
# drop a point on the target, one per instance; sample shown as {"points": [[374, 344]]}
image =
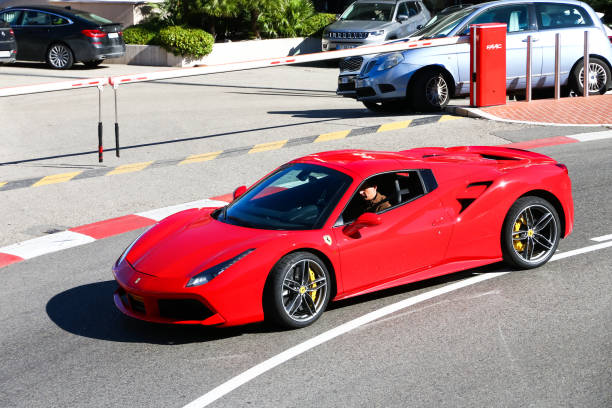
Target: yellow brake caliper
{"points": [[312, 276], [518, 245]]}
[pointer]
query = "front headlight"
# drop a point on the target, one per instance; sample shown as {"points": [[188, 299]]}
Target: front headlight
{"points": [[212, 272], [377, 33], [390, 61], [127, 250]]}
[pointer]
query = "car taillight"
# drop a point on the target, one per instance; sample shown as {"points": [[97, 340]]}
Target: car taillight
{"points": [[94, 33], [121, 34], [11, 31]]}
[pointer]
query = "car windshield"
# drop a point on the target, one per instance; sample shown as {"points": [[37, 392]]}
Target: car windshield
{"points": [[296, 197], [369, 12], [91, 17], [444, 24]]}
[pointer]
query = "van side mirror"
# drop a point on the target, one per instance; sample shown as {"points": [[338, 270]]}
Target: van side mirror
{"points": [[364, 220], [239, 191], [402, 17]]}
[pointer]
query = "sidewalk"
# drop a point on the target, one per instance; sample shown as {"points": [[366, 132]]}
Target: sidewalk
{"points": [[591, 111]]}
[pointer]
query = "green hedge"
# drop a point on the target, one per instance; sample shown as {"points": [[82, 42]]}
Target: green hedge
{"points": [[140, 35], [317, 23], [191, 42]]}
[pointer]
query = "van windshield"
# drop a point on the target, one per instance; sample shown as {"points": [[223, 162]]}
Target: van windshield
{"points": [[444, 25]]}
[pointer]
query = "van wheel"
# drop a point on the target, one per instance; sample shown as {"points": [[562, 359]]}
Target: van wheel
{"points": [[599, 76], [430, 91]]}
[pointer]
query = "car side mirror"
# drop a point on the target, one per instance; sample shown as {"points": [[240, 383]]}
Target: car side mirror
{"points": [[402, 17], [364, 220], [239, 191]]}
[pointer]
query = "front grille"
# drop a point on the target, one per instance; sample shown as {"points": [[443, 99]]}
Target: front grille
{"points": [[367, 91], [369, 67], [351, 64], [183, 309], [137, 305], [352, 35], [347, 87]]}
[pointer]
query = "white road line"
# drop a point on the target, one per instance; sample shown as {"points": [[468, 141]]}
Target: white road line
{"points": [[301, 348], [581, 251], [47, 244], [161, 213], [603, 238], [589, 137]]}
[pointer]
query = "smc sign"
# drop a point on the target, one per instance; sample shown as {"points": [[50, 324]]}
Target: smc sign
{"points": [[494, 46]]}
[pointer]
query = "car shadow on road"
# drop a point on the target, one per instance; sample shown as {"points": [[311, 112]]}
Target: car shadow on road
{"points": [[424, 285], [89, 311]]}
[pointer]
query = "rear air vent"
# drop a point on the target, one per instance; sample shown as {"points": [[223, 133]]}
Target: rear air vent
{"points": [[495, 157]]}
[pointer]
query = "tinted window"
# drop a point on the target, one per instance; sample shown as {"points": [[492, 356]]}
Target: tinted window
{"points": [[413, 9], [369, 11], [35, 18], [515, 17], [58, 20], [92, 18], [296, 197], [402, 9], [552, 16], [11, 17], [444, 25]]}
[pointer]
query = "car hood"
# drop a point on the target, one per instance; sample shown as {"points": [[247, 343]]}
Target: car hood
{"points": [[191, 241], [358, 25]]}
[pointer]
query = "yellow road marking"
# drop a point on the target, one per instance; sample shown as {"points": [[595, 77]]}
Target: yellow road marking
{"points": [[445, 118], [332, 136], [394, 126], [195, 158], [129, 168], [3, 183], [56, 178], [264, 147]]}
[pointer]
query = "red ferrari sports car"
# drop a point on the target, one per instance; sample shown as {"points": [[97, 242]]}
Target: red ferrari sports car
{"points": [[299, 237]]}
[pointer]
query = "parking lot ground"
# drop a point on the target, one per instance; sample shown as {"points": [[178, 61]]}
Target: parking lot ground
{"points": [[594, 110]]}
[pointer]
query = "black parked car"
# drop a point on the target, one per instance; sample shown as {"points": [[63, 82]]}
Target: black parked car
{"points": [[63, 36], [8, 45]]}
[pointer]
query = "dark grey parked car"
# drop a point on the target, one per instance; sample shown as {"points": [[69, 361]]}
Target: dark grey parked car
{"points": [[371, 22], [63, 36], [8, 45]]}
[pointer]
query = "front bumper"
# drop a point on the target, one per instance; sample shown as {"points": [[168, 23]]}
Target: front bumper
{"points": [[158, 300], [387, 85], [346, 86]]}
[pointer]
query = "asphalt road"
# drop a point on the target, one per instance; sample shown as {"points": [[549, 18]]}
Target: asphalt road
{"points": [[541, 338]]}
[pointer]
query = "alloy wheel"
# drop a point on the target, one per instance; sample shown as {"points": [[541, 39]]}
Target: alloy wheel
{"points": [[534, 233], [304, 290]]}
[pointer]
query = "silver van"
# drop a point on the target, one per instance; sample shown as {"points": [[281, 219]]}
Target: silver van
{"points": [[371, 22]]}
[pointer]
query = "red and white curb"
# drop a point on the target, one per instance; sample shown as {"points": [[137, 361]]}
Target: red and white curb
{"points": [[88, 233]]}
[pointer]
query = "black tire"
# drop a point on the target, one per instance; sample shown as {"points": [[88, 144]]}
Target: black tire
{"points": [[92, 63], [59, 56], [430, 91], [599, 74], [384, 107], [297, 291], [531, 233]]}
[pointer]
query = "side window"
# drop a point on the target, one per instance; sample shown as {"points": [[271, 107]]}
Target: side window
{"points": [[402, 9], [516, 17], [413, 9], [551, 16], [383, 192], [12, 17], [58, 20], [36, 18]]}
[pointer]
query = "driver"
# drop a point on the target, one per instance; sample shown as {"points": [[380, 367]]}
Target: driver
{"points": [[371, 200]]}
